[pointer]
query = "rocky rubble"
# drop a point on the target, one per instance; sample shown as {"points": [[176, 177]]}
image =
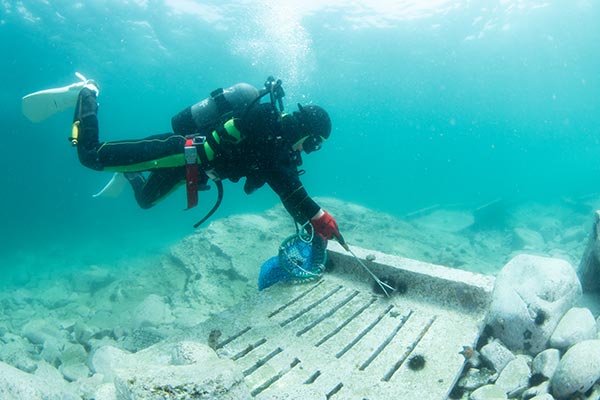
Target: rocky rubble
{"points": [[537, 344], [105, 331]]}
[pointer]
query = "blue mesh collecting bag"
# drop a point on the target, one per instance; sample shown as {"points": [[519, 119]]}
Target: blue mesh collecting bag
{"points": [[298, 260]]}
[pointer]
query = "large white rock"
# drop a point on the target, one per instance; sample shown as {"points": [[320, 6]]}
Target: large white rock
{"points": [[543, 396], [527, 239], [578, 369], [18, 385], [489, 392], [475, 378], [107, 359], [531, 294], [577, 325], [153, 311], [38, 331], [88, 387], [74, 372], [496, 355], [18, 352], [106, 391], [180, 370], [546, 362], [514, 378], [536, 391]]}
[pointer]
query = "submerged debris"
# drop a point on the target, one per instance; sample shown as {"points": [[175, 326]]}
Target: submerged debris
{"points": [[540, 317], [213, 339], [467, 352], [416, 363]]}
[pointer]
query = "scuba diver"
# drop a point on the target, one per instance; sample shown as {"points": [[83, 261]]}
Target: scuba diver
{"points": [[230, 135]]}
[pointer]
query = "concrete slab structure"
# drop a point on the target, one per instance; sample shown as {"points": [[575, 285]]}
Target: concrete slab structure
{"points": [[339, 339]]}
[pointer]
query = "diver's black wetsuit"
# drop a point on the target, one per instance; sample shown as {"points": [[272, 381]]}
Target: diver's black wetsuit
{"points": [[262, 156]]}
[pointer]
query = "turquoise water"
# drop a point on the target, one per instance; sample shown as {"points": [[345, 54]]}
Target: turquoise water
{"points": [[433, 102]]}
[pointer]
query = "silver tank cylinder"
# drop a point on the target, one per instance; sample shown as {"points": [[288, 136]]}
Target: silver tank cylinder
{"points": [[203, 116]]}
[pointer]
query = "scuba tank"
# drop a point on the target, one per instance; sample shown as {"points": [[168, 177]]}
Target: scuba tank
{"points": [[222, 105]]}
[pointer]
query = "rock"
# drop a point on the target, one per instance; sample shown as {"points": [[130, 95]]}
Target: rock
{"points": [[573, 234], [82, 333], [539, 390], [56, 297], [73, 354], [150, 374], [187, 317], [95, 344], [527, 239], [551, 230], [514, 378], [87, 387], [488, 392], [186, 353], [16, 384], [106, 392], [578, 369], [49, 378], [546, 362], [593, 393], [180, 370], [119, 332], [475, 378], [181, 382], [38, 331], [107, 359], [527, 358], [153, 311], [589, 267], [17, 351], [543, 396], [52, 351], [497, 355], [25, 364], [46, 384], [142, 338], [73, 372], [530, 296], [576, 325], [92, 279]]}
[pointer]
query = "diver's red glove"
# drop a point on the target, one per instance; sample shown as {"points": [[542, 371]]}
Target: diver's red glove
{"points": [[326, 227]]}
